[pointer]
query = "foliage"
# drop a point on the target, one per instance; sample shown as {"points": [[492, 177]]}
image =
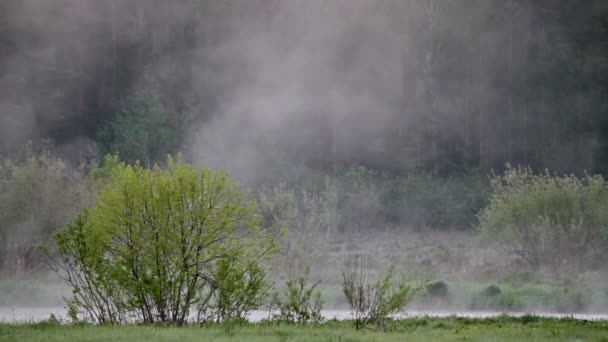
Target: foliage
{"points": [[373, 302], [437, 288], [145, 130], [436, 202], [302, 218], [239, 286], [101, 171], [358, 199], [546, 219], [300, 303], [491, 291], [159, 242], [39, 193]]}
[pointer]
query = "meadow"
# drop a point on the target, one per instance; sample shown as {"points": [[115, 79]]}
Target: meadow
{"points": [[501, 328]]}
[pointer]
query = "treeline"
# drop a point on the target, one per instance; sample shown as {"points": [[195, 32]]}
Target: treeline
{"points": [[551, 222], [453, 86], [40, 193]]}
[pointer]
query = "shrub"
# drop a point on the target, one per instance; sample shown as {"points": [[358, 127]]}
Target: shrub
{"points": [[39, 194], [437, 288], [304, 218], [238, 287], [492, 297], [491, 291], [300, 303], [373, 302], [546, 219], [357, 199], [435, 294], [161, 243], [438, 203]]}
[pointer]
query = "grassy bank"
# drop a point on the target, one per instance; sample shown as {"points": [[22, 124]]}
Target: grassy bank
{"points": [[503, 328]]}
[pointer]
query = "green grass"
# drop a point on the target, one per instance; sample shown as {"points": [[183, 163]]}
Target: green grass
{"points": [[503, 328]]}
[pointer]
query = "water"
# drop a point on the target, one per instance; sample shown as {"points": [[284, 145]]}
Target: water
{"points": [[34, 314]]}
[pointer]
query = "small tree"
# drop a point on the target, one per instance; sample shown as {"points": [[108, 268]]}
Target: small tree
{"points": [[546, 219], [373, 302], [160, 243], [301, 303]]}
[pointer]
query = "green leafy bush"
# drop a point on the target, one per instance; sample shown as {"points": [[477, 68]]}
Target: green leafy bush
{"points": [[238, 287], [159, 244], [300, 303], [546, 219], [370, 301]]}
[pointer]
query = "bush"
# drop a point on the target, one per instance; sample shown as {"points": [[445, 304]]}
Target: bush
{"points": [[305, 220], [435, 294], [491, 291], [437, 289], [373, 302], [546, 219], [160, 243], [238, 287], [300, 303], [493, 298], [357, 192], [39, 194], [434, 202]]}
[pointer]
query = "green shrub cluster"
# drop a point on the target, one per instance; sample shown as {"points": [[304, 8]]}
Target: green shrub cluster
{"points": [[300, 303], [39, 193], [373, 301], [548, 220], [160, 245]]}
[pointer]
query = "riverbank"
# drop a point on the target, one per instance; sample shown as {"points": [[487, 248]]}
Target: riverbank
{"points": [[500, 328], [27, 315]]}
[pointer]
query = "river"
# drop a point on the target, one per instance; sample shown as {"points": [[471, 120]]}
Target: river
{"points": [[33, 314]]}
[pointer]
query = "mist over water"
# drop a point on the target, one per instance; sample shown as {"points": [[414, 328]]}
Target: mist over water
{"points": [[389, 115]]}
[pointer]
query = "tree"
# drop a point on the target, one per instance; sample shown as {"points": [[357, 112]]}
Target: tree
{"points": [[159, 244], [145, 131]]}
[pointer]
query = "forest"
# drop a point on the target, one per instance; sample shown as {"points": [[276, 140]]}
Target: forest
{"points": [[462, 142], [437, 87]]}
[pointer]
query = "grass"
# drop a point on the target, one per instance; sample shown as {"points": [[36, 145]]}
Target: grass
{"points": [[502, 328]]}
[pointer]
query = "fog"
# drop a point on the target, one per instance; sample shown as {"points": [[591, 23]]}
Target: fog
{"points": [[402, 108], [317, 81]]}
